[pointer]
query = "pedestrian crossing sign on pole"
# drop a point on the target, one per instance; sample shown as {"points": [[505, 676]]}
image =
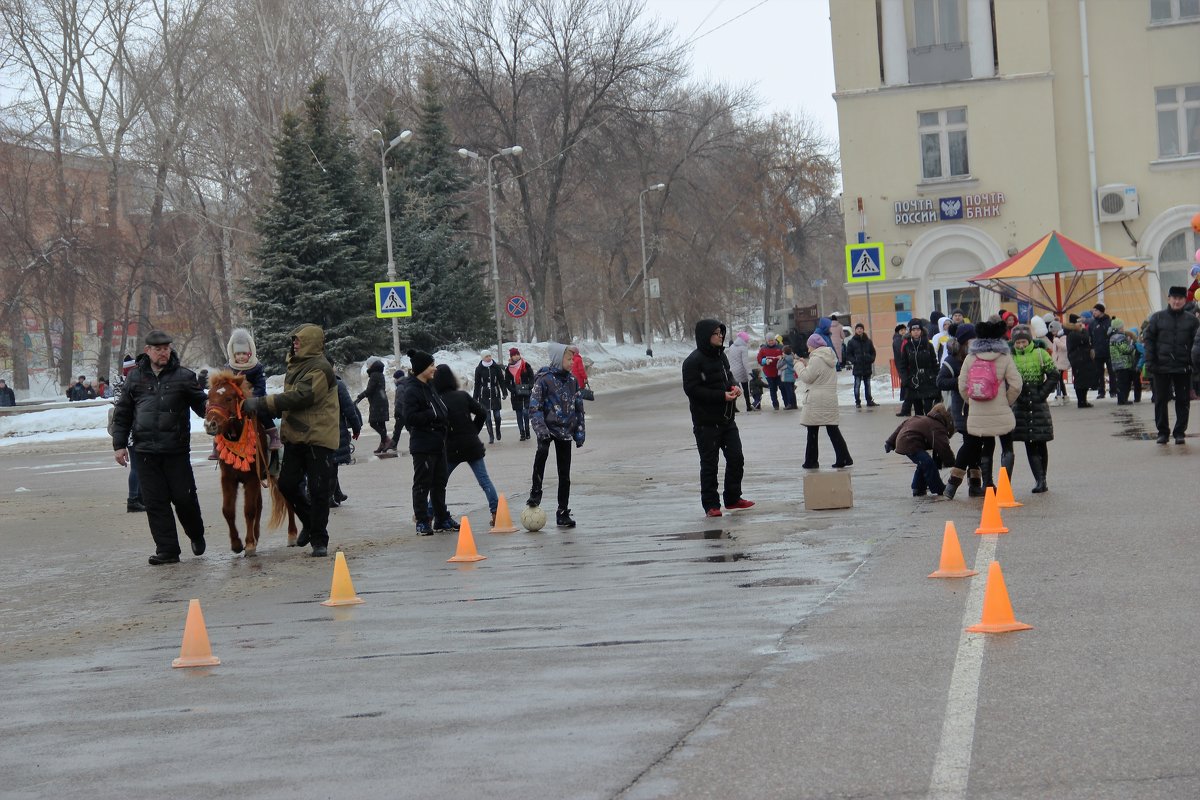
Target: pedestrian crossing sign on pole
{"points": [[864, 263], [393, 299]]}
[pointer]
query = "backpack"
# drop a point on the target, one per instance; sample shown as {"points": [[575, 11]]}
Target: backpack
{"points": [[982, 383]]}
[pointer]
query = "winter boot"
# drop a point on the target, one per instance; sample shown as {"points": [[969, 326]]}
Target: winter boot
{"points": [[985, 471], [1008, 460], [273, 440], [1039, 473], [564, 519], [273, 465], [975, 483], [956, 479]]}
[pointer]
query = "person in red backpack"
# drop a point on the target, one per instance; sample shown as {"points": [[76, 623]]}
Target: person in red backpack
{"points": [[988, 395]]}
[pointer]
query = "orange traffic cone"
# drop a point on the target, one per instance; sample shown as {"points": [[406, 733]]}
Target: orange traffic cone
{"points": [[997, 610], [990, 521], [503, 523], [952, 564], [195, 651], [466, 545], [1004, 495], [341, 591]]}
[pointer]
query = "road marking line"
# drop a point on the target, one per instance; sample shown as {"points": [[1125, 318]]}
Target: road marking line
{"points": [[952, 766]]}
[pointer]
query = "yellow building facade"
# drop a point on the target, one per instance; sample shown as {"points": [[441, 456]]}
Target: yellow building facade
{"points": [[971, 128]]}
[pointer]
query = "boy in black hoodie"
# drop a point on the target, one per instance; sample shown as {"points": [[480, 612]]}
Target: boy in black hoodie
{"points": [[712, 399]]}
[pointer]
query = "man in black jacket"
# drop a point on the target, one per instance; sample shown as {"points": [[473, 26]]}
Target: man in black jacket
{"points": [[1169, 336], [154, 407], [860, 355], [425, 416], [712, 398]]}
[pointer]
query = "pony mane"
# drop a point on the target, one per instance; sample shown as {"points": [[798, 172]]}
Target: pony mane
{"points": [[225, 377]]}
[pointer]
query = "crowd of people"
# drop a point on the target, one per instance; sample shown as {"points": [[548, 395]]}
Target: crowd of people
{"points": [[318, 419]]}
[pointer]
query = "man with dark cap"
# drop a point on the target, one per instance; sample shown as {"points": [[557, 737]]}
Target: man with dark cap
{"points": [[310, 432], [712, 398], [153, 408], [1169, 335], [426, 417]]}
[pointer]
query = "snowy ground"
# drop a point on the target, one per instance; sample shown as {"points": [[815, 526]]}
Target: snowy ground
{"points": [[611, 367]]}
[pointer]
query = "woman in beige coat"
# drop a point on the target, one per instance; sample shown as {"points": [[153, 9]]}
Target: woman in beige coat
{"points": [[987, 419], [820, 403]]}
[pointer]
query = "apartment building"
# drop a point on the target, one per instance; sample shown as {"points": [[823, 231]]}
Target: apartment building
{"points": [[971, 128]]}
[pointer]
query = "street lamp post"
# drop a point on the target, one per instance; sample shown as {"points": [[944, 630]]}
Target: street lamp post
{"points": [[514, 150], [646, 334], [384, 149]]}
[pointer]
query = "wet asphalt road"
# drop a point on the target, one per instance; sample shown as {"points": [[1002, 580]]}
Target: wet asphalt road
{"points": [[647, 653]]}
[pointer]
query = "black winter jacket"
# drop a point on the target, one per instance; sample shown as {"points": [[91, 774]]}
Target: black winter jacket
{"points": [[947, 381], [1032, 412], [920, 369], [490, 385], [1082, 358], [424, 417], [859, 353], [1100, 330], [348, 420], [376, 394], [1169, 336], [706, 378], [464, 419], [155, 408]]}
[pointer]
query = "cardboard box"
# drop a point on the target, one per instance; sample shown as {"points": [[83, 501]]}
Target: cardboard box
{"points": [[826, 490]]}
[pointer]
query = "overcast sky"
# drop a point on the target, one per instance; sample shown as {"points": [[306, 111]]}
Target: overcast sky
{"points": [[781, 46]]}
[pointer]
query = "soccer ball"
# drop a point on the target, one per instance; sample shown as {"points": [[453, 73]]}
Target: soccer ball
{"points": [[533, 518]]}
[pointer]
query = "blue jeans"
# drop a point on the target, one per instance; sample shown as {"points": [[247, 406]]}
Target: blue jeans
{"points": [[926, 475], [481, 476], [864, 382]]}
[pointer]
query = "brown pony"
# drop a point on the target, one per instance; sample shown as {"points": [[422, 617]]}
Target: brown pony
{"points": [[242, 447]]}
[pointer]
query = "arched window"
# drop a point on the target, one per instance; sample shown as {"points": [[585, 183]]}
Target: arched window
{"points": [[1175, 260]]}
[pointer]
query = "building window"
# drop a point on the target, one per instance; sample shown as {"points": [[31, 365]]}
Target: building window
{"points": [[937, 22], [943, 143], [163, 303], [1174, 260], [1174, 10], [1178, 111]]}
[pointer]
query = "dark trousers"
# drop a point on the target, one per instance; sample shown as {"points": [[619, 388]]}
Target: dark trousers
{"points": [[521, 409], [920, 405], [711, 441], [562, 455], [430, 473], [1128, 379], [773, 387], [309, 462], [746, 394], [865, 382], [788, 390], [840, 451], [975, 448], [492, 416], [1166, 384], [926, 475], [167, 480], [135, 486], [381, 429]]}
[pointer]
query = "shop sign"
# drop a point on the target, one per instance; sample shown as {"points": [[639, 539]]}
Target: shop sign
{"points": [[924, 210]]}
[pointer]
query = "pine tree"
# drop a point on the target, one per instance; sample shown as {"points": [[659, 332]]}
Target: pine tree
{"points": [[450, 301], [315, 234]]}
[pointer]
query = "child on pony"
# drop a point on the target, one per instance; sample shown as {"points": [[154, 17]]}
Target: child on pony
{"points": [[243, 360]]}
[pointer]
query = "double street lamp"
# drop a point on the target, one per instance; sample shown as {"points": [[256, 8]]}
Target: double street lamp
{"points": [[385, 148], [514, 150], [647, 335]]}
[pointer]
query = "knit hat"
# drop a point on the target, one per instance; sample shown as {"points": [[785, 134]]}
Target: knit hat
{"points": [[512, 351], [1117, 325], [965, 333], [420, 360], [990, 330], [398, 374], [1056, 327], [816, 340], [1022, 332], [745, 337], [1177, 291]]}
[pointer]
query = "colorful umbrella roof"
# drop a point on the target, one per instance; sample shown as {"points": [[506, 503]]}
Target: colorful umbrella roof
{"points": [[1053, 254]]}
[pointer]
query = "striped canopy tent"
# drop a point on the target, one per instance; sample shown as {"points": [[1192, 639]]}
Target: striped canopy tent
{"points": [[1026, 275]]}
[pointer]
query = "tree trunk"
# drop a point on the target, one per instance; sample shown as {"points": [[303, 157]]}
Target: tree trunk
{"points": [[16, 332]]}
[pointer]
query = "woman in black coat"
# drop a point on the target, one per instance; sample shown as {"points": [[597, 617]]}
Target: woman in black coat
{"points": [[464, 419], [1083, 361], [377, 403], [518, 379], [489, 389], [920, 370]]}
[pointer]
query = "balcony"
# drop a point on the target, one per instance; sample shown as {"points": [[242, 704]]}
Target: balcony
{"points": [[939, 63]]}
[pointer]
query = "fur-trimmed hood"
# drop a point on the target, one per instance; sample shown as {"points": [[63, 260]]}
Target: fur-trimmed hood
{"points": [[981, 346]]}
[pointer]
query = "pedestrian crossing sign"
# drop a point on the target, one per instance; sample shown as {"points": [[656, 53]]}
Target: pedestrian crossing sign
{"points": [[393, 299], [864, 263]]}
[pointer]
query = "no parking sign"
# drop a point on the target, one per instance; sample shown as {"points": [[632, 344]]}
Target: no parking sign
{"points": [[518, 306]]}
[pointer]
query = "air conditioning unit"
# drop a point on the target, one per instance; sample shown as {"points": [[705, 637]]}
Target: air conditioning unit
{"points": [[1117, 202]]}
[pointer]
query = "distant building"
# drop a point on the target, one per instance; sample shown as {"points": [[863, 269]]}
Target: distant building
{"points": [[964, 128]]}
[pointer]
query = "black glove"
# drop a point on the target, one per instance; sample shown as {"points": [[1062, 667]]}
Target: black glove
{"points": [[888, 447], [578, 445]]}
